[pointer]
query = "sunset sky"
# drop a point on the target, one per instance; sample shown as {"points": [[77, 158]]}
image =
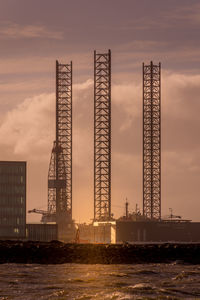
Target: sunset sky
{"points": [[34, 33]]}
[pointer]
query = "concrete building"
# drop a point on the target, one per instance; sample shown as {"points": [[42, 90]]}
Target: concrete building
{"points": [[12, 199]]}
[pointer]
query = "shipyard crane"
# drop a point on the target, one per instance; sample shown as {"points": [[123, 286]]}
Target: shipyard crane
{"points": [[46, 216], [60, 167]]}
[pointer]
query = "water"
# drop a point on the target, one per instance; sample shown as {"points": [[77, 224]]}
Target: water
{"points": [[76, 281]]}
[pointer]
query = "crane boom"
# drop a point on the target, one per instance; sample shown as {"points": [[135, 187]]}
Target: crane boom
{"points": [[46, 216]]}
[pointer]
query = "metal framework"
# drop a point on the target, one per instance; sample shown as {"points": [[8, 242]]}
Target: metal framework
{"points": [[56, 182], [102, 136], [60, 168], [152, 141]]}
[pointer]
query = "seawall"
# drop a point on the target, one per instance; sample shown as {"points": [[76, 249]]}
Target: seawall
{"points": [[57, 253]]}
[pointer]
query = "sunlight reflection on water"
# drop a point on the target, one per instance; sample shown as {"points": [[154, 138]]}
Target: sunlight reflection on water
{"points": [[78, 281]]}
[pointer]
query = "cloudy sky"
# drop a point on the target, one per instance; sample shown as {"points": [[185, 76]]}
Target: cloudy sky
{"points": [[34, 33]]}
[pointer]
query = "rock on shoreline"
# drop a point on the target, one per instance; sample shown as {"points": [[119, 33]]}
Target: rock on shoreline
{"points": [[58, 253]]}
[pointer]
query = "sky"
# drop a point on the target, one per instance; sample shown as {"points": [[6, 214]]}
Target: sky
{"points": [[34, 33]]}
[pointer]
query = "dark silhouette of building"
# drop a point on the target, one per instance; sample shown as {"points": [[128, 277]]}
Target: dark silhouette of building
{"points": [[12, 199]]}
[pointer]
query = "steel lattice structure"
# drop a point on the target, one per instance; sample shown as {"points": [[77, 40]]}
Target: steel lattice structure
{"points": [[60, 169], [152, 141], [102, 136], [56, 184]]}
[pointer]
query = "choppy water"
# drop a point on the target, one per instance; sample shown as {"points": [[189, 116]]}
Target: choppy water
{"points": [[75, 281]]}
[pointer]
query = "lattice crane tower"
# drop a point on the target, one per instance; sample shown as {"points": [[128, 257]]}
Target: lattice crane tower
{"points": [[102, 136], [152, 141]]}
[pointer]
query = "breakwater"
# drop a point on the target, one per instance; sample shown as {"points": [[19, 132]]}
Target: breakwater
{"points": [[57, 253]]}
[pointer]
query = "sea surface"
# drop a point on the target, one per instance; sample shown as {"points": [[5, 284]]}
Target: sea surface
{"points": [[78, 281]]}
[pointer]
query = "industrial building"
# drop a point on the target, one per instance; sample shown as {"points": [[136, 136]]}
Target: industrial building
{"points": [[12, 199], [157, 231], [41, 232]]}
